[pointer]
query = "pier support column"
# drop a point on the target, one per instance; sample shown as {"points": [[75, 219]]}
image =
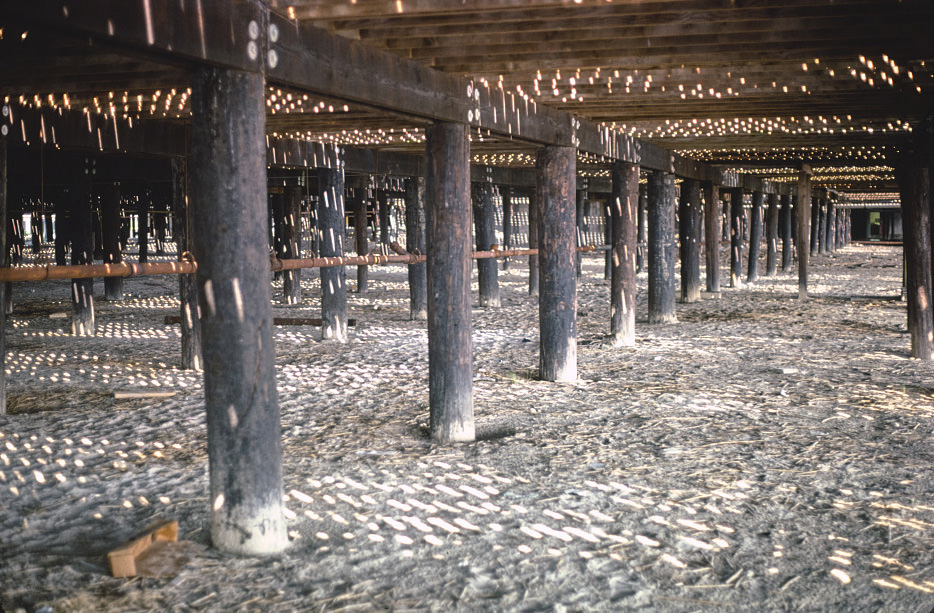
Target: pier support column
{"points": [[229, 224], [331, 222], [785, 222], [450, 347], [415, 243], [4, 180], [712, 235], [506, 195], [187, 284], [382, 209], [914, 182], [755, 237], [642, 228], [831, 229], [82, 250], [624, 213], [662, 248], [535, 234], [736, 237], [689, 222], [142, 210], [110, 229], [485, 232], [804, 229], [557, 305], [771, 236], [292, 241], [360, 235], [815, 224]]}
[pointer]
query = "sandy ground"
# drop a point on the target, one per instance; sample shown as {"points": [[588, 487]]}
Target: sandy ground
{"points": [[761, 454]]}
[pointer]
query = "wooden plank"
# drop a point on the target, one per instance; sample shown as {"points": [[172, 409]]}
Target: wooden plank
{"points": [[123, 560]]}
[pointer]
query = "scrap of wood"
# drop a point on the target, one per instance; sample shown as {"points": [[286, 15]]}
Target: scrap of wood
{"points": [[277, 321], [125, 394], [123, 560]]}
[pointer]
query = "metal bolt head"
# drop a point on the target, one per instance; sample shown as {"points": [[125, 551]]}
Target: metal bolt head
{"points": [[273, 32], [273, 58], [253, 30]]}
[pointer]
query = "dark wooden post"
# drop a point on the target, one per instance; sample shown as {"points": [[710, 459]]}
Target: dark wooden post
{"points": [[82, 251], [506, 195], [276, 200], [229, 222], [557, 304], [689, 222], [736, 236], [822, 225], [785, 224], [485, 230], [641, 229], [4, 180], [579, 200], [292, 241], [804, 229], [535, 234], [361, 239], [331, 223], [187, 284], [712, 235], [755, 237], [415, 243], [382, 206], [815, 225], [662, 247], [62, 228], [608, 237], [914, 182], [110, 228], [771, 236], [142, 210], [624, 210], [450, 347], [831, 234]]}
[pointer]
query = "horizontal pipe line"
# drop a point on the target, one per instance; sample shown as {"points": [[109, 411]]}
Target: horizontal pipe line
{"points": [[130, 269]]}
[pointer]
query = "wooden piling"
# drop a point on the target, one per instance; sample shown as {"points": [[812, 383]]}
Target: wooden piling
{"points": [[189, 307], [557, 304], [830, 238], [292, 241], [506, 196], [110, 228], [785, 222], [712, 235], [228, 199], [804, 230], [142, 211], [580, 197], [815, 224], [82, 250], [624, 211], [771, 235], [485, 234], [914, 182], [641, 229], [689, 224], [608, 238], [4, 180], [661, 248], [535, 233], [755, 237], [360, 234], [331, 223], [415, 244], [736, 236], [382, 209], [450, 347]]}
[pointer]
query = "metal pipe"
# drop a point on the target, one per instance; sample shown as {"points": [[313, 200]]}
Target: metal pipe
{"points": [[132, 269]]}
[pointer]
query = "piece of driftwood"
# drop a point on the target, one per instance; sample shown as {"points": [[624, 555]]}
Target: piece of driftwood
{"points": [[128, 394], [277, 321], [124, 560]]}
